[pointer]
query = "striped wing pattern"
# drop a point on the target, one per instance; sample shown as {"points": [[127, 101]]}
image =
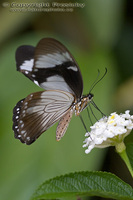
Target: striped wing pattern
{"points": [[51, 66], [39, 111]]}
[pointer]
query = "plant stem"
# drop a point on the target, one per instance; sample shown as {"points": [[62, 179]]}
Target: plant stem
{"points": [[125, 158]]}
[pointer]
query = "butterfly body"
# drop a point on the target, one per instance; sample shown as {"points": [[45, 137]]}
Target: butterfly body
{"points": [[51, 66], [82, 104]]}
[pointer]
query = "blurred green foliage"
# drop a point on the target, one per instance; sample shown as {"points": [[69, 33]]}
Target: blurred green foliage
{"points": [[98, 35]]}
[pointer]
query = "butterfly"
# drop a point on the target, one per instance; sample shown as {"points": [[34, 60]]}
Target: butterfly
{"points": [[51, 66]]}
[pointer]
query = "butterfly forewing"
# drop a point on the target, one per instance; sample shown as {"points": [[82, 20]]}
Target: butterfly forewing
{"points": [[25, 60], [39, 111], [51, 66]]}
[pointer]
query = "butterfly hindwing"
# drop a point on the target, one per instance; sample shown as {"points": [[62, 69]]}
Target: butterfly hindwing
{"points": [[39, 111], [51, 66]]}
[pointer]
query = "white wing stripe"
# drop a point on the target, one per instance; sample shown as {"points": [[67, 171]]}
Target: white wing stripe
{"points": [[51, 60], [74, 68], [56, 86], [27, 65]]}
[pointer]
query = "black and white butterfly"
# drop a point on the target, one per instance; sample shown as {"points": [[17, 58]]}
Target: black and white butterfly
{"points": [[52, 67]]}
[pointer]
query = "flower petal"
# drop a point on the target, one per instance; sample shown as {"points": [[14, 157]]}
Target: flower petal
{"points": [[109, 131]]}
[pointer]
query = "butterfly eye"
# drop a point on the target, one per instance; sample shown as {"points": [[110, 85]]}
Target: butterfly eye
{"points": [[90, 96]]}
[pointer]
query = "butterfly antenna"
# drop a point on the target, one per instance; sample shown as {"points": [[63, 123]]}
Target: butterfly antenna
{"points": [[93, 84], [83, 123], [97, 81], [92, 102]]}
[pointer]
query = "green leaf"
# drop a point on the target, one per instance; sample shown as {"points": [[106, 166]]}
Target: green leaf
{"points": [[101, 184], [129, 149]]}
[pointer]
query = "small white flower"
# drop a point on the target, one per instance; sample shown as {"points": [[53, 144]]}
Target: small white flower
{"points": [[109, 131]]}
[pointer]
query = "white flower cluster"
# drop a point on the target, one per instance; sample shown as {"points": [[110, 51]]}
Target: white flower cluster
{"points": [[109, 131]]}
